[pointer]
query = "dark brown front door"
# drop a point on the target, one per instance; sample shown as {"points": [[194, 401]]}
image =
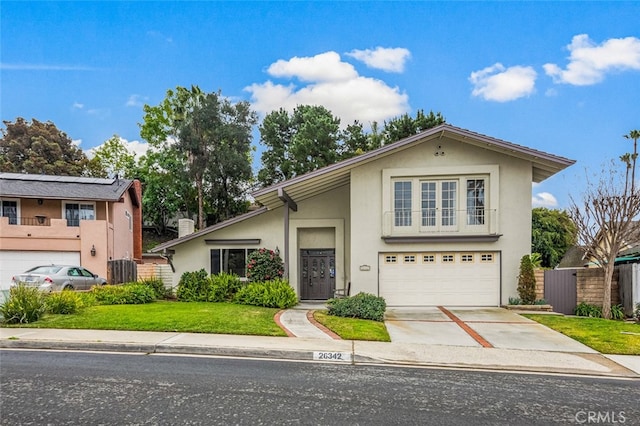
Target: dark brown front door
{"points": [[317, 274]]}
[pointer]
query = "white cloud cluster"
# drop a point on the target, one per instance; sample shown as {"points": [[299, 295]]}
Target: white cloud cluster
{"points": [[386, 59], [589, 62], [500, 84], [136, 100], [332, 83], [134, 147], [544, 199]]}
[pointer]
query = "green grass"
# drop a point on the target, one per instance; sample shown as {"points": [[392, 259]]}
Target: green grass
{"points": [[605, 336], [192, 317], [353, 328]]}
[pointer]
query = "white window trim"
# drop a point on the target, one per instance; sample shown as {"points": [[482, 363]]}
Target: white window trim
{"points": [[489, 172]]}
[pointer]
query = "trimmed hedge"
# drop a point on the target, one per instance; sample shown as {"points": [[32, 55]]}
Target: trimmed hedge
{"points": [[199, 287], [223, 287], [64, 302], [126, 294], [193, 286], [362, 305], [270, 294]]}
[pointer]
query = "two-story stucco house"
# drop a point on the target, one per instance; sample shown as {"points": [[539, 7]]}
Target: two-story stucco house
{"points": [[67, 220], [439, 218]]}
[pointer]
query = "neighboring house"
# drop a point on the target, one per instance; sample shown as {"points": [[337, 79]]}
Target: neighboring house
{"points": [[439, 218], [578, 257], [69, 220]]}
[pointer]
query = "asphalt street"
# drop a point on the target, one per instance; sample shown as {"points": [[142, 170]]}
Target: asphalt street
{"points": [[49, 387]]}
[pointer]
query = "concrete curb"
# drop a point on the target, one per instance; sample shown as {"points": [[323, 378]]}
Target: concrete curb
{"points": [[292, 355]]}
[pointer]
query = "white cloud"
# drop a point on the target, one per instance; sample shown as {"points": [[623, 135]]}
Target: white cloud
{"points": [[323, 67], [136, 100], [332, 83], [77, 105], [500, 84], [589, 63], [544, 199], [387, 59], [134, 147]]}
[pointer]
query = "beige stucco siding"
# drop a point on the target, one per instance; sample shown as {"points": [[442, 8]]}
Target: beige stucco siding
{"points": [[319, 221], [513, 203]]}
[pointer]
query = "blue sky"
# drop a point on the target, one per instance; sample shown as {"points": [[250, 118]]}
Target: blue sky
{"points": [[559, 77]]}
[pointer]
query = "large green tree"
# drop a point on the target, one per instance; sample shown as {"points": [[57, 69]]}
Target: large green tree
{"points": [[310, 138], [166, 190], [113, 158], [552, 234], [404, 126], [40, 148], [214, 137], [298, 143]]}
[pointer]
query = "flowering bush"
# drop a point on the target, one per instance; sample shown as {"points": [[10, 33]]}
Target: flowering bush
{"points": [[264, 265]]}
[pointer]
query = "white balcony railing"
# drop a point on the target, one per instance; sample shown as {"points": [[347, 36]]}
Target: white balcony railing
{"points": [[440, 222]]}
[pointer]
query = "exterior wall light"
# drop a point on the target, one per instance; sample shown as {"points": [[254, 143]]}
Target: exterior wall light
{"points": [[93, 250]]}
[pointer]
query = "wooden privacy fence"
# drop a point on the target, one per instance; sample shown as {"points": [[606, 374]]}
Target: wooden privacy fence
{"points": [[560, 290], [564, 289], [121, 271], [629, 284]]}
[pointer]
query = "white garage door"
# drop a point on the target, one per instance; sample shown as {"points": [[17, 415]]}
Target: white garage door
{"points": [[15, 262], [440, 278]]}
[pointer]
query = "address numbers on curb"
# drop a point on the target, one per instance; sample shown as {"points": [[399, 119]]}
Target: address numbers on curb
{"points": [[332, 356]]}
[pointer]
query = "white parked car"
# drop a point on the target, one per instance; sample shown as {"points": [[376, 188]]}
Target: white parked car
{"points": [[58, 277]]}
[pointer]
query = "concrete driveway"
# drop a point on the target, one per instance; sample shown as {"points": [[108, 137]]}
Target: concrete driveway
{"points": [[479, 327]]}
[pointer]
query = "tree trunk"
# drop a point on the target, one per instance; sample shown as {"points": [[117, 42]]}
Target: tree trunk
{"points": [[200, 204], [606, 294]]}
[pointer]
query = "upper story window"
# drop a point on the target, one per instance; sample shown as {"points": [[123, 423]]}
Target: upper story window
{"points": [[75, 212], [439, 200], [10, 209], [129, 220], [443, 206], [475, 202], [402, 196], [428, 201]]}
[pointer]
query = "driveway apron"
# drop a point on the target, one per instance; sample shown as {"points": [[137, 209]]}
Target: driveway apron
{"points": [[479, 327]]}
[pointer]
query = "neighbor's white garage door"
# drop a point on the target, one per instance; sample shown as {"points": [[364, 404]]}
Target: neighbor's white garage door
{"points": [[15, 262], [440, 278]]}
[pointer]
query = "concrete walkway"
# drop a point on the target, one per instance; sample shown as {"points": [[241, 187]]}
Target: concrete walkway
{"points": [[298, 324]]}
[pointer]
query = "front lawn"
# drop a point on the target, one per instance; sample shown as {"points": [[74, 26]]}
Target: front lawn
{"points": [[191, 317], [605, 336], [353, 328]]}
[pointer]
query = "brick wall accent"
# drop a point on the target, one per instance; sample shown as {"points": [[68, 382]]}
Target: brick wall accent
{"points": [[539, 275], [146, 270], [590, 285], [154, 270]]}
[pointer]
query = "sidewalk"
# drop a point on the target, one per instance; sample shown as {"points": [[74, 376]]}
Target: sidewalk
{"points": [[331, 350]]}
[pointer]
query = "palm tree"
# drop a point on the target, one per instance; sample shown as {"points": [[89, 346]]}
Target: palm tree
{"points": [[631, 159]]}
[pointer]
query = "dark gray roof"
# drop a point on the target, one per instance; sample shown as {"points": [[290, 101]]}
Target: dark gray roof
{"points": [[19, 185]]}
